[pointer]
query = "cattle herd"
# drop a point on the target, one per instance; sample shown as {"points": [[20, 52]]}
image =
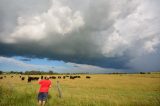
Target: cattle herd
{"points": [[30, 78]]}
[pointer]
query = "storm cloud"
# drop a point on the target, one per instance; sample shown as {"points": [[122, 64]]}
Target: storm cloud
{"points": [[106, 33]]}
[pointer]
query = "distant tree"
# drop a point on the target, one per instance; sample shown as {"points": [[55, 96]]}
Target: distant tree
{"points": [[20, 72], [1, 72], [142, 72], [34, 72], [50, 72], [15, 72], [11, 72], [148, 72]]}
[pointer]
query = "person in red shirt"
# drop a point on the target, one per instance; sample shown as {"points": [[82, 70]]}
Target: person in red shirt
{"points": [[43, 91]]}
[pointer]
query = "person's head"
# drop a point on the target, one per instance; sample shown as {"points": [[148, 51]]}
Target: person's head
{"points": [[47, 78]]}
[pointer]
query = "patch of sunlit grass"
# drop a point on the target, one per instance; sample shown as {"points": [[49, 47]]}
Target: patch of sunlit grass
{"points": [[100, 90]]}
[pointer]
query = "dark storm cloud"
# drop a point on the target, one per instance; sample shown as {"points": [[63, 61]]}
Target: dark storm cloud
{"points": [[106, 33], [33, 52], [26, 59]]}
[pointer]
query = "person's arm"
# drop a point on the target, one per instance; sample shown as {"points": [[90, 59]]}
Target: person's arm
{"points": [[50, 86]]}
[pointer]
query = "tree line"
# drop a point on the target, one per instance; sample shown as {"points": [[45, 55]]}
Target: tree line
{"points": [[34, 72]]}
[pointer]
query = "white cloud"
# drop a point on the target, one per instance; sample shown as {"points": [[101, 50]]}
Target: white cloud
{"points": [[88, 29], [59, 19], [137, 31], [150, 46]]}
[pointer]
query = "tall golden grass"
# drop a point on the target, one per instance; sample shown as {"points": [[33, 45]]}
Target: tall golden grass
{"points": [[100, 90]]}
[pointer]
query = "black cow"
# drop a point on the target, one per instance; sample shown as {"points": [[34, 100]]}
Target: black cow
{"points": [[88, 77], [59, 77], [23, 78], [53, 77], [72, 77], [78, 76], [29, 79], [32, 79]]}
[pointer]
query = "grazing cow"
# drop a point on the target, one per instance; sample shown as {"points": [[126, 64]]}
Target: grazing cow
{"points": [[53, 77], [36, 78], [23, 78], [11, 76], [72, 77], [1, 77], [88, 77], [29, 79], [59, 77], [78, 76], [32, 79]]}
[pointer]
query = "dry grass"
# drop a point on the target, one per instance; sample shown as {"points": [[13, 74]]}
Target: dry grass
{"points": [[100, 90]]}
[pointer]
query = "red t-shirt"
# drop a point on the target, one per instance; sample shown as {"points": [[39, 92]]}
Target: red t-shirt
{"points": [[44, 85]]}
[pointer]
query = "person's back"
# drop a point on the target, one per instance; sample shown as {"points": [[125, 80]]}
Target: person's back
{"points": [[45, 85], [43, 91]]}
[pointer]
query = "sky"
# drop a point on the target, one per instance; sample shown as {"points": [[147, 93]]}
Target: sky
{"points": [[96, 36]]}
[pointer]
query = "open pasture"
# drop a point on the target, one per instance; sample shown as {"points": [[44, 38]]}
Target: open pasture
{"points": [[99, 90]]}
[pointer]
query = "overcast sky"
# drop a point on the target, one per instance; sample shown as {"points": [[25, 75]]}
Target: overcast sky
{"points": [[83, 34]]}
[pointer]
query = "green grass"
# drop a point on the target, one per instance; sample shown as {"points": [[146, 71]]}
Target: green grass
{"points": [[100, 90]]}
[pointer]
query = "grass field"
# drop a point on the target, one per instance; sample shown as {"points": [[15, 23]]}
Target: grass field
{"points": [[100, 90]]}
